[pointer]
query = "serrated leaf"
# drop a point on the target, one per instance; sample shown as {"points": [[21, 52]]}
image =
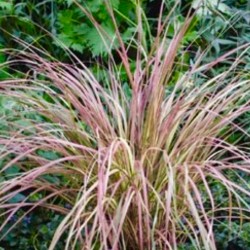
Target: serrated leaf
{"points": [[95, 5], [69, 2], [65, 17], [99, 44], [125, 7], [115, 3], [128, 34], [64, 40], [6, 5], [99, 5], [77, 47], [80, 29]]}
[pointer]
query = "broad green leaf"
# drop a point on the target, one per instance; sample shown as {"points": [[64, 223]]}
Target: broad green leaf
{"points": [[13, 170], [52, 179], [17, 198], [49, 155]]}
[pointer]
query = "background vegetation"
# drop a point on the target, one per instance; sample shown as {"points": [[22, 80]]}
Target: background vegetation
{"points": [[57, 26]]}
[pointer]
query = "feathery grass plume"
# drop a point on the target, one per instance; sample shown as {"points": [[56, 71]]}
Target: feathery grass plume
{"points": [[137, 164]]}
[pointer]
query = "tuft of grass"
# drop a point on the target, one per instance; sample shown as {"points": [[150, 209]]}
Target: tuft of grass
{"points": [[129, 168]]}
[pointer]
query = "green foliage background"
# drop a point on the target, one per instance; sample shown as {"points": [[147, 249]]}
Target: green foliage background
{"points": [[54, 25]]}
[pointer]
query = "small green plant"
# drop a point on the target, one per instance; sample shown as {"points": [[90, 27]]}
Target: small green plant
{"points": [[131, 162]]}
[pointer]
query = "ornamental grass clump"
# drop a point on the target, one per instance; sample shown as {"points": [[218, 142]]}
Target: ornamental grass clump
{"points": [[129, 161]]}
